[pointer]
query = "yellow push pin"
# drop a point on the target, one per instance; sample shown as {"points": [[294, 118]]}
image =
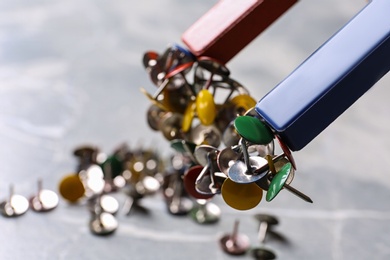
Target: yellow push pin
{"points": [[189, 115], [243, 102], [205, 107], [71, 188], [241, 196]]}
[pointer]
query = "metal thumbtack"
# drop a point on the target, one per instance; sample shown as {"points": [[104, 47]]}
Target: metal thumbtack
{"points": [[261, 252], [235, 243], [227, 157], [86, 156], [15, 205], [177, 202], [247, 171], [44, 200], [210, 179], [103, 223], [104, 203], [205, 212], [278, 182]]}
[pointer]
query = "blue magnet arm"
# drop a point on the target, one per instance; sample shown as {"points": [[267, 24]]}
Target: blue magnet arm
{"points": [[331, 79]]}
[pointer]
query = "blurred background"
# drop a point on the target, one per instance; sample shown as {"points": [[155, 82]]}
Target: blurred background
{"points": [[71, 73]]}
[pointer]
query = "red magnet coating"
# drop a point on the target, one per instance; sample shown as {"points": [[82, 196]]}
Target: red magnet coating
{"points": [[230, 25]]}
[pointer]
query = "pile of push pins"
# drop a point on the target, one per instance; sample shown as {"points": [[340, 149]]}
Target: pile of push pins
{"points": [[236, 243], [199, 108], [98, 177]]}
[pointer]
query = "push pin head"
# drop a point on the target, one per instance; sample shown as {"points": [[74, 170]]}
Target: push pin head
{"points": [[253, 130], [103, 224], [205, 107], [71, 188], [44, 200], [15, 205], [205, 212], [241, 196], [189, 180]]}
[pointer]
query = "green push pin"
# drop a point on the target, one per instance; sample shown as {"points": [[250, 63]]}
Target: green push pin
{"points": [[184, 147], [278, 182], [253, 130]]}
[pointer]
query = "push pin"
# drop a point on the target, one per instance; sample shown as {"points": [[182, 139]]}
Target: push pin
{"points": [[241, 196], [235, 243], [202, 134], [278, 182], [205, 212], [253, 130], [227, 157], [184, 147], [103, 208], [209, 180], [205, 107], [71, 188], [15, 205], [45, 200], [261, 252], [189, 179], [247, 171], [154, 115], [103, 223], [177, 202], [86, 156], [170, 126], [104, 203]]}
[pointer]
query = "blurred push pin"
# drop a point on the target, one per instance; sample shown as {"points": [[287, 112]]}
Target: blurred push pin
{"points": [[103, 223], [235, 243], [44, 200], [266, 221], [71, 188], [205, 212], [15, 205]]}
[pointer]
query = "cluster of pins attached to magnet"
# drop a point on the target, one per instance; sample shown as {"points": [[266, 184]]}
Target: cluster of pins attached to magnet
{"points": [[199, 108]]}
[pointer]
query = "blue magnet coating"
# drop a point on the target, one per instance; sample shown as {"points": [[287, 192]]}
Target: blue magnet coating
{"points": [[331, 79]]}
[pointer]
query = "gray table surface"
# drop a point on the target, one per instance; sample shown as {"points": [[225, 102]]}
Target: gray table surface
{"points": [[70, 73]]}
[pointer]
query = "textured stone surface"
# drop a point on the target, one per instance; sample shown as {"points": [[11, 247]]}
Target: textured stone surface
{"points": [[70, 73]]}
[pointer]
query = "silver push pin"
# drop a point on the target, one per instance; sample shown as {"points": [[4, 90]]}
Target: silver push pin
{"points": [[103, 223], [205, 212], [261, 252], [235, 243], [45, 200], [15, 205], [177, 203]]}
